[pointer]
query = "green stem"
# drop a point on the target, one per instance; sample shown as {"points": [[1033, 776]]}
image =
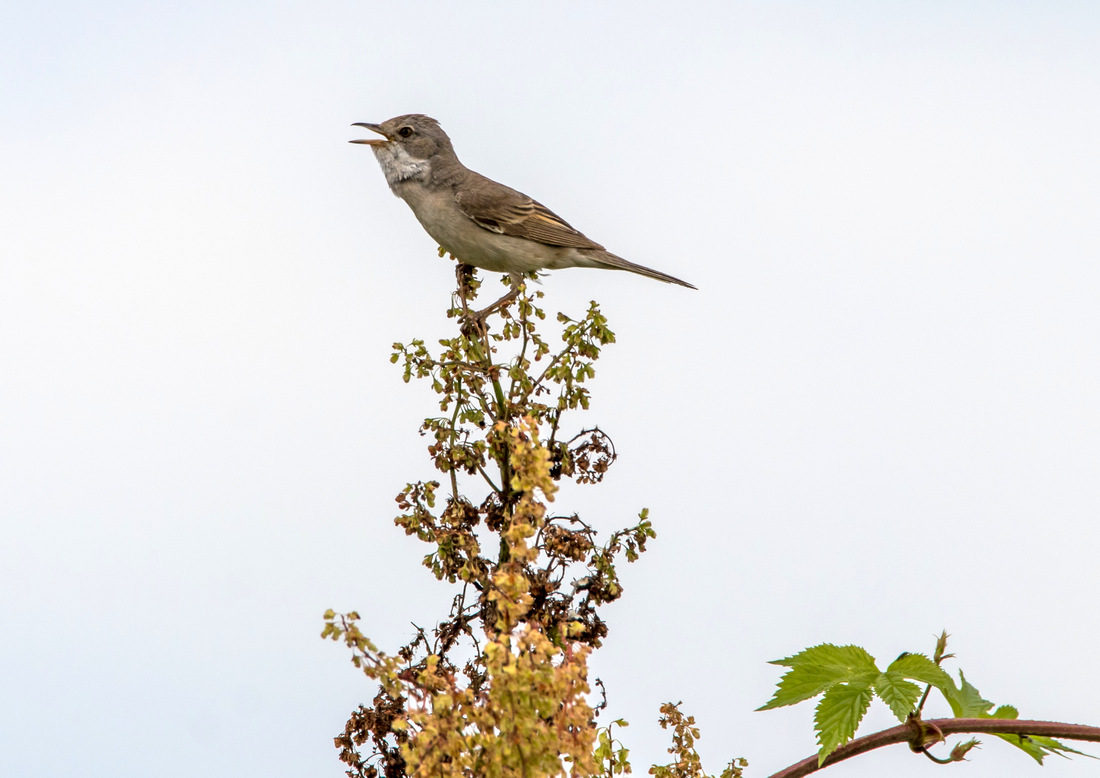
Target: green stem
{"points": [[483, 356]]}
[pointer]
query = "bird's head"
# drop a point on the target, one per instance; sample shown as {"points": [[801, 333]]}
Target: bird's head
{"points": [[419, 136]]}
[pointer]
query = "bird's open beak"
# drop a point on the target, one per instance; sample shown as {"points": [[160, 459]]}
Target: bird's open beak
{"points": [[371, 141]]}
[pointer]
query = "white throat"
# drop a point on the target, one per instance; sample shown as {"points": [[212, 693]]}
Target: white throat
{"points": [[399, 166]]}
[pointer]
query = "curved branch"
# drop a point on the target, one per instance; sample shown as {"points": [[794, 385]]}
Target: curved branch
{"points": [[904, 733]]}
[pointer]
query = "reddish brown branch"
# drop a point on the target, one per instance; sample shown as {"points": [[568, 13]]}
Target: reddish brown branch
{"points": [[903, 734]]}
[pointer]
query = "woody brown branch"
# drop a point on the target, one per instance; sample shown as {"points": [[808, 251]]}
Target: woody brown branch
{"points": [[904, 732]]}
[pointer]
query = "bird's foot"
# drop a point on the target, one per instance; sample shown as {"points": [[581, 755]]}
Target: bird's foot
{"points": [[474, 321], [503, 302]]}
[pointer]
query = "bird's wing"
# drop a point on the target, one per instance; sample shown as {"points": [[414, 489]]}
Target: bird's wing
{"points": [[503, 210]]}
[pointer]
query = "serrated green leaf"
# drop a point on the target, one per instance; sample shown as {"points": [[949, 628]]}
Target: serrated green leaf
{"points": [[1035, 746], [967, 701], [829, 655], [806, 681], [798, 684], [899, 694], [1024, 744], [918, 667], [1036, 749], [838, 715], [1056, 747], [816, 669]]}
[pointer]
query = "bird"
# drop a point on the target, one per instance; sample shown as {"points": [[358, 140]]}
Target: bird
{"points": [[478, 221]]}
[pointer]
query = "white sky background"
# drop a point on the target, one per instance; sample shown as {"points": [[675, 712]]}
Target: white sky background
{"points": [[878, 418]]}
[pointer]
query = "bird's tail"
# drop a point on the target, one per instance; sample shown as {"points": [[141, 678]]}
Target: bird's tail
{"points": [[614, 262]]}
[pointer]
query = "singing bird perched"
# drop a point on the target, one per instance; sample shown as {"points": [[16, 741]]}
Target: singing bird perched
{"points": [[477, 220]]}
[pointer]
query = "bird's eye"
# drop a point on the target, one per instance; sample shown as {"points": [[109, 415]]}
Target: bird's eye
{"points": [[405, 132]]}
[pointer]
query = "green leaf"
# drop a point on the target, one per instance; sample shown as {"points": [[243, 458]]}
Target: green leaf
{"points": [[838, 715], [1038, 746], [801, 683], [829, 655], [967, 701], [1035, 746], [918, 667], [896, 692], [816, 669]]}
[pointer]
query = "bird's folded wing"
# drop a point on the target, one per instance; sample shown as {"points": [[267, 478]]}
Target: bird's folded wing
{"points": [[503, 210]]}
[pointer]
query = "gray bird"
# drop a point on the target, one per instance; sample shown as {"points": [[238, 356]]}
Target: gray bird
{"points": [[477, 220]]}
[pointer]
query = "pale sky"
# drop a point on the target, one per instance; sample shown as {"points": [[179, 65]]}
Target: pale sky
{"points": [[879, 416]]}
